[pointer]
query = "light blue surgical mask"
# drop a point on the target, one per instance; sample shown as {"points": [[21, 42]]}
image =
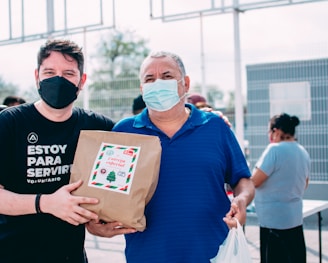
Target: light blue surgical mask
{"points": [[161, 95]]}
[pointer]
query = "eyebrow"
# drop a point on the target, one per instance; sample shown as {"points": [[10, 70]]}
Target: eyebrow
{"points": [[47, 68], [65, 70], [70, 71], [162, 74]]}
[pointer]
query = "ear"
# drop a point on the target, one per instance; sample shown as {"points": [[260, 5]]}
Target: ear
{"points": [[187, 83], [36, 77], [276, 135], [82, 81], [271, 137]]}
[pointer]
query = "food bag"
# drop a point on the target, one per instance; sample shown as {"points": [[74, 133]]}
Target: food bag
{"points": [[121, 170]]}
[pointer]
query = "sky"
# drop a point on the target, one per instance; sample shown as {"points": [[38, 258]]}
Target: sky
{"points": [[266, 35]]}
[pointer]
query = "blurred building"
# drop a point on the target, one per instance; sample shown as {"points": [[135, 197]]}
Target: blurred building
{"points": [[298, 88]]}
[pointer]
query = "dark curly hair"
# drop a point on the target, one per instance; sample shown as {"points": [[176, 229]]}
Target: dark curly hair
{"points": [[68, 48], [284, 122]]}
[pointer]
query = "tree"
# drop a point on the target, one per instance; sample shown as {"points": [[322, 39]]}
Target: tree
{"points": [[231, 102], [115, 82], [7, 89], [111, 177], [31, 94], [215, 96], [119, 56]]}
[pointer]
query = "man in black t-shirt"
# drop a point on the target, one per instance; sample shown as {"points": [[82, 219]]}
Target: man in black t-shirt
{"points": [[40, 221]]}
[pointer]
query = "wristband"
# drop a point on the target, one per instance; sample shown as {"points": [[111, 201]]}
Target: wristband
{"points": [[37, 204]]}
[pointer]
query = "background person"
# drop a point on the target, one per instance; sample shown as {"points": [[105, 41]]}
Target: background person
{"points": [[13, 101], [200, 103], [138, 105], [189, 214], [281, 176], [198, 100], [40, 221]]}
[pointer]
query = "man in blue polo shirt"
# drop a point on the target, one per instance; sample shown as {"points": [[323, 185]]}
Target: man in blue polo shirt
{"points": [[190, 214]]}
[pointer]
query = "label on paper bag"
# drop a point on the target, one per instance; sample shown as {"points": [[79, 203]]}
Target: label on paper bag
{"points": [[114, 167]]}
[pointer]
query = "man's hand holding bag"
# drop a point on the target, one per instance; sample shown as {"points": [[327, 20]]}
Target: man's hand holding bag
{"points": [[234, 249]]}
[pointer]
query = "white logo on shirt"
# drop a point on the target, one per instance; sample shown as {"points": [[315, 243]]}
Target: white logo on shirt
{"points": [[32, 138]]}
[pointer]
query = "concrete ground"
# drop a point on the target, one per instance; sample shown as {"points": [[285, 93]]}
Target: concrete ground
{"points": [[111, 250]]}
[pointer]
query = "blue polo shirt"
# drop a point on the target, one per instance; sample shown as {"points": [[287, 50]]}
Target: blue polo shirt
{"points": [[184, 217]]}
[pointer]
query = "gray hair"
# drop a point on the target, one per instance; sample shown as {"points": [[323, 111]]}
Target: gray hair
{"points": [[159, 54]]}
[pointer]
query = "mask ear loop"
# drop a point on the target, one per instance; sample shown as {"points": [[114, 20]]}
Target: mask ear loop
{"points": [[79, 89], [184, 96], [183, 83], [38, 83], [78, 84]]}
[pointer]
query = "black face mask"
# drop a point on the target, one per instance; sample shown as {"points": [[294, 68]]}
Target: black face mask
{"points": [[57, 92]]}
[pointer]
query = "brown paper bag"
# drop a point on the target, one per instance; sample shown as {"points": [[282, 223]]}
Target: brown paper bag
{"points": [[121, 170]]}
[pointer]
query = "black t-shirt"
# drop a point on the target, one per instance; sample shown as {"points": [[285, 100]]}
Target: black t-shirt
{"points": [[36, 157]]}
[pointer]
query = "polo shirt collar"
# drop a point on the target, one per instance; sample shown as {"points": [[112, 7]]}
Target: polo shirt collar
{"points": [[196, 118]]}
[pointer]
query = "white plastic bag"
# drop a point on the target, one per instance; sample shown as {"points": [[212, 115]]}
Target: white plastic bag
{"points": [[234, 249]]}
